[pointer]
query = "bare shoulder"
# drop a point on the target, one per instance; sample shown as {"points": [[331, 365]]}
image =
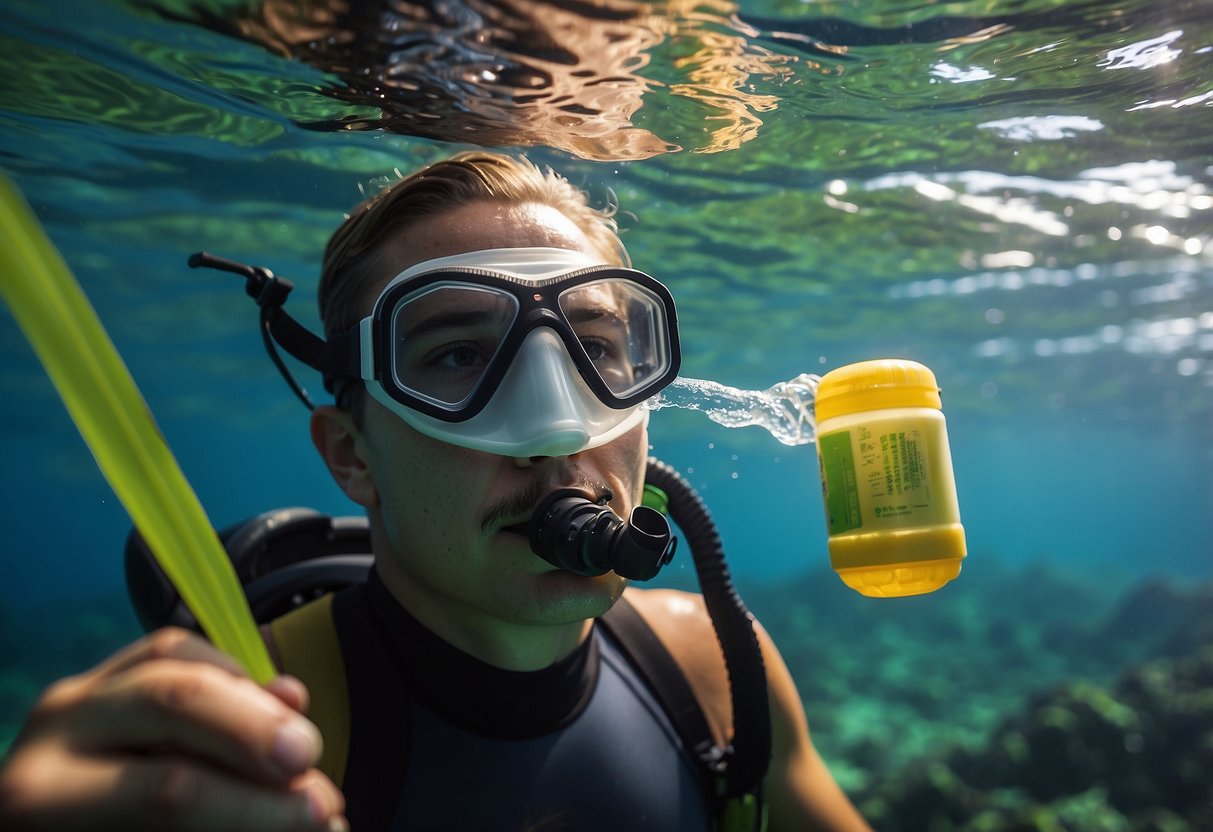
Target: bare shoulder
{"points": [[669, 605], [680, 620]]}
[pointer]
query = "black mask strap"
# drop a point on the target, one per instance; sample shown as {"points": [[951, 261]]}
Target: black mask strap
{"points": [[277, 327]]}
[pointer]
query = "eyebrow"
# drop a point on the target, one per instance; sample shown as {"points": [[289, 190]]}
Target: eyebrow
{"points": [[456, 318], [585, 314]]}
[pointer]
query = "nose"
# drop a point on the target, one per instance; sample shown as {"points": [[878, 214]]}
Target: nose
{"points": [[547, 396]]}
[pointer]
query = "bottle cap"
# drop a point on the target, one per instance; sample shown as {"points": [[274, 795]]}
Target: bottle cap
{"points": [[875, 385]]}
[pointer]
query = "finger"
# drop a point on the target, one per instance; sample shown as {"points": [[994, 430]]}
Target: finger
{"points": [[168, 643], [326, 800], [290, 691], [197, 710], [177, 643], [61, 791]]}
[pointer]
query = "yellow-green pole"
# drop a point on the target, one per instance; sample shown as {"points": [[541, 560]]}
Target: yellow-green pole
{"points": [[60, 323]]}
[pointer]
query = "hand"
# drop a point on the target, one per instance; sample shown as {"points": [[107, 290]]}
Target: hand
{"points": [[168, 734]]}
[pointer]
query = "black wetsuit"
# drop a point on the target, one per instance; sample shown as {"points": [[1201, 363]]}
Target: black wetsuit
{"points": [[442, 741]]}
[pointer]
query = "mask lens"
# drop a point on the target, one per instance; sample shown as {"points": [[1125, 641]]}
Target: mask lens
{"points": [[622, 328], [445, 336]]}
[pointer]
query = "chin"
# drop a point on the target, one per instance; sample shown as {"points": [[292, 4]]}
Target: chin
{"points": [[561, 597]]}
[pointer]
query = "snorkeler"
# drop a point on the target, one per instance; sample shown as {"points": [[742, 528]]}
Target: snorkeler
{"points": [[489, 347]]}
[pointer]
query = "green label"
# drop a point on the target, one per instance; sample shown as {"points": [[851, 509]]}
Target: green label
{"points": [[838, 482]]}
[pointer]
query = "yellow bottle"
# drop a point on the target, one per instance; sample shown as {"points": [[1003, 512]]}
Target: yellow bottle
{"points": [[886, 474]]}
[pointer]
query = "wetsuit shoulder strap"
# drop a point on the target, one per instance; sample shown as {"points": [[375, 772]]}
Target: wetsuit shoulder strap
{"points": [[668, 683], [649, 655], [306, 639]]}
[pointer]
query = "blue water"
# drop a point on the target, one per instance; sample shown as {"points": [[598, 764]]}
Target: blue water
{"points": [[1018, 197], [1016, 193]]}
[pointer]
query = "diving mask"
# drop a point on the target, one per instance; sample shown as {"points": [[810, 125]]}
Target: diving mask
{"points": [[513, 351], [518, 351]]}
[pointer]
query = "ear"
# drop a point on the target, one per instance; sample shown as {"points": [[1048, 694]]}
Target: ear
{"points": [[343, 449]]}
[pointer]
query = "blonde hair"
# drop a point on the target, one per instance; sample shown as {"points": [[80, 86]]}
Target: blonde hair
{"points": [[444, 186]]}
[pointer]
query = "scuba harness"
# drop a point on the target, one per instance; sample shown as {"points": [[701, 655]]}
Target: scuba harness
{"points": [[290, 557]]}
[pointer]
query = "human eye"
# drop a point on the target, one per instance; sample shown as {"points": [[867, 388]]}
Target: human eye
{"points": [[444, 368], [610, 357], [598, 349], [458, 355]]}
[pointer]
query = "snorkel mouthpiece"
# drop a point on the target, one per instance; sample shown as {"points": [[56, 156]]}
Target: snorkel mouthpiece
{"points": [[573, 533]]}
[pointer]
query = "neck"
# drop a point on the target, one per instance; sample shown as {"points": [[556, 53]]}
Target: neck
{"points": [[509, 645]]}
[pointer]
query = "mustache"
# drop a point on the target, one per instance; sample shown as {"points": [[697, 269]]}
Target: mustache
{"points": [[522, 502]]}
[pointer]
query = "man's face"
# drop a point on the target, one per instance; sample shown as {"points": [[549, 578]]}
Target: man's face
{"points": [[443, 511]]}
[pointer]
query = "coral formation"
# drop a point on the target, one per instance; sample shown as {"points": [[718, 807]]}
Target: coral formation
{"points": [[1136, 757], [916, 697]]}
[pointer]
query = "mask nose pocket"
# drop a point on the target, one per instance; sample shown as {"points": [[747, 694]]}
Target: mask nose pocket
{"points": [[545, 398]]}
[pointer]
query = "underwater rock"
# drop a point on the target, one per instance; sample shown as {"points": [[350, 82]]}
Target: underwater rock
{"points": [[1076, 739], [1158, 619], [936, 792], [1136, 757], [947, 666]]}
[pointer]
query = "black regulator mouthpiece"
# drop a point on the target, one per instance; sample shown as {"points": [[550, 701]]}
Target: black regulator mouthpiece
{"points": [[574, 533]]}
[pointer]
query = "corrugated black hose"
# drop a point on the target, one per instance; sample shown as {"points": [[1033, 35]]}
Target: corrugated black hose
{"points": [[750, 755]]}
